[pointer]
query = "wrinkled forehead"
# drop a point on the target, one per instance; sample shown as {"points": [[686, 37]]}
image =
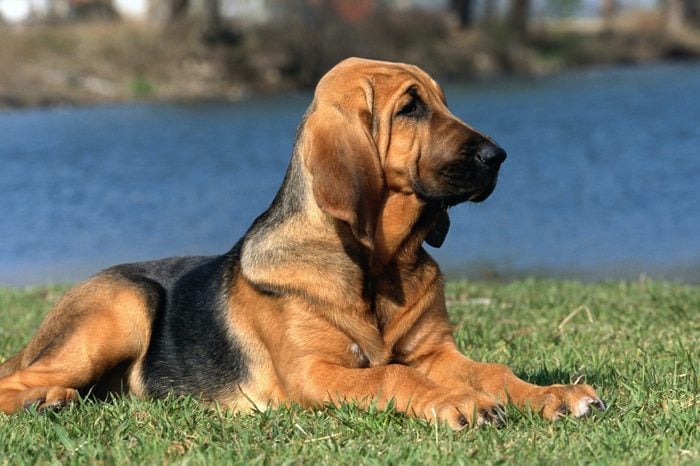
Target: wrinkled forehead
{"points": [[385, 80]]}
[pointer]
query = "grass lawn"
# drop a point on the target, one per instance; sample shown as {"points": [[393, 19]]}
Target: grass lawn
{"points": [[638, 343]]}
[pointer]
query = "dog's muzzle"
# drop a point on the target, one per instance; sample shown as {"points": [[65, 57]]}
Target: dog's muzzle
{"points": [[469, 174], [490, 157]]}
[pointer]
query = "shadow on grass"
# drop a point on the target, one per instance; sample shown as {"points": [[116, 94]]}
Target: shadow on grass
{"points": [[560, 376]]}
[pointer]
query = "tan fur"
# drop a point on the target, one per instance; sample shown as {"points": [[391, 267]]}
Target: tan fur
{"points": [[358, 312], [95, 327]]}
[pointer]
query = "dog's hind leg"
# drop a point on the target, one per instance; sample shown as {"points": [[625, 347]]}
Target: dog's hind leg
{"points": [[11, 365], [98, 326]]}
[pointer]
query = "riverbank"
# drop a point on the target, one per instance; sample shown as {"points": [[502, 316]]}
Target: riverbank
{"points": [[91, 63]]}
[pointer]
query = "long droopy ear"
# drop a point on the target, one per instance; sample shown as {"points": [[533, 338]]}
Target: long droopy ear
{"points": [[342, 158]]}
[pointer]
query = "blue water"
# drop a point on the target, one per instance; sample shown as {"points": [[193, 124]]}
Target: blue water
{"points": [[602, 179]]}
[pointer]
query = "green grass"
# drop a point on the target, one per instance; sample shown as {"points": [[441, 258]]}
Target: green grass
{"points": [[640, 349], [141, 88]]}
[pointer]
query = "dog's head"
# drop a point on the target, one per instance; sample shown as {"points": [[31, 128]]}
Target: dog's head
{"points": [[377, 129]]}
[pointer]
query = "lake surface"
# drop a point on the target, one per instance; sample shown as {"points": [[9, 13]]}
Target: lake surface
{"points": [[602, 179]]}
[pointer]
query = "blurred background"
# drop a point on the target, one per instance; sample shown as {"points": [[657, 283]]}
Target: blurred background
{"points": [[137, 129]]}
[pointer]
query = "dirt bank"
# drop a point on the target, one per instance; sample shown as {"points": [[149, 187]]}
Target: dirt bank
{"points": [[121, 61]]}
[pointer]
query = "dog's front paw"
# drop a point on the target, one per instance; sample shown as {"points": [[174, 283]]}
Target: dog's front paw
{"points": [[460, 408], [47, 398], [556, 401]]}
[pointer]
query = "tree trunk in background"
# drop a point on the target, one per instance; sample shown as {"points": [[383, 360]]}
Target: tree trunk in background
{"points": [[693, 12], [518, 16], [216, 30], [608, 9], [463, 10], [212, 17], [681, 14], [675, 19], [177, 10], [489, 11], [51, 10]]}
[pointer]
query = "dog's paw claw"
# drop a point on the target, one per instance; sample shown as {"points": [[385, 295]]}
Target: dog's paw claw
{"points": [[559, 401], [495, 416], [600, 404], [462, 421], [584, 406]]}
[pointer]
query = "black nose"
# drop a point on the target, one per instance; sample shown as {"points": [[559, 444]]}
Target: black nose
{"points": [[491, 154]]}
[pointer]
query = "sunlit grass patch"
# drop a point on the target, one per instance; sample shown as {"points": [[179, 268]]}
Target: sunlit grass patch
{"points": [[636, 342]]}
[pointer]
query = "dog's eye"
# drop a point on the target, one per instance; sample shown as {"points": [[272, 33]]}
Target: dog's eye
{"points": [[413, 108]]}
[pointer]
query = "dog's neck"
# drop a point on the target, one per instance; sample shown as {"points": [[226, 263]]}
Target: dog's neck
{"points": [[294, 226], [405, 222]]}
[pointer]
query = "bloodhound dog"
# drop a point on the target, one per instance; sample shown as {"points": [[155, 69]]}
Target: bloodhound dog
{"points": [[329, 297]]}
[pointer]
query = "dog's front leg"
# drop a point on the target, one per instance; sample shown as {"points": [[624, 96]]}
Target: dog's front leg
{"points": [[448, 367], [317, 382]]}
